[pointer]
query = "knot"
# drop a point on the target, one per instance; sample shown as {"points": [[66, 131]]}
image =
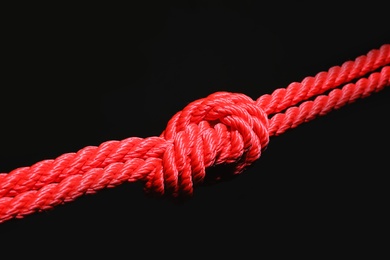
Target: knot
{"points": [[219, 129]]}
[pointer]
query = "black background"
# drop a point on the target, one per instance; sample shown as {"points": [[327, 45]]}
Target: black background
{"points": [[82, 75]]}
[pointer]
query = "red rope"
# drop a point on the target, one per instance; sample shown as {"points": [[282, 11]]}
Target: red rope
{"points": [[221, 128]]}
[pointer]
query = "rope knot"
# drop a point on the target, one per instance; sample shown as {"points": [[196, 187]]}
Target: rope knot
{"points": [[222, 128]]}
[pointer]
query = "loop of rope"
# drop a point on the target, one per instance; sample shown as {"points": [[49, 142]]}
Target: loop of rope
{"points": [[219, 129]]}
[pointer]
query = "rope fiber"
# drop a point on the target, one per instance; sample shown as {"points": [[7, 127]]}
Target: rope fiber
{"points": [[222, 128]]}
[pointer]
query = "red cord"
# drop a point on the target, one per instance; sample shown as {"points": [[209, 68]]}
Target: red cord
{"points": [[221, 128]]}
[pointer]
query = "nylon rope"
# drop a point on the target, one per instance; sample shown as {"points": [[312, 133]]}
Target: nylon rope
{"points": [[222, 128]]}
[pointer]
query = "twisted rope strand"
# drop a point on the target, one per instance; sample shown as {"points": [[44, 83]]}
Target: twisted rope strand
{"points": [[323, 104], [221, 128], [336, 76]]}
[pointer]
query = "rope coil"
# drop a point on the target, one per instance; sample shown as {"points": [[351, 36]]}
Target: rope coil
{"points": [[218, 129]]}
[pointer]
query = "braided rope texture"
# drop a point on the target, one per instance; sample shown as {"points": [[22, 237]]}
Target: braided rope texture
{"points": [[222, 128]]}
